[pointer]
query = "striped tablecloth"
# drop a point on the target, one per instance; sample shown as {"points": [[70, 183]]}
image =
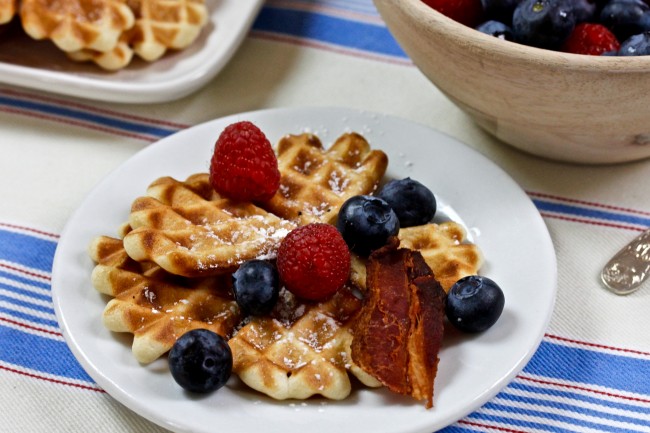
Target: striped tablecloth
{"points": [[592, 370]]}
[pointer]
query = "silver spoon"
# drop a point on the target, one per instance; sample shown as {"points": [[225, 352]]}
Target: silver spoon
{"points": [[625, 272]]}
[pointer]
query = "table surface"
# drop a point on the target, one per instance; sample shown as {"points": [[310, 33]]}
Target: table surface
{"points": [[592, 369]]}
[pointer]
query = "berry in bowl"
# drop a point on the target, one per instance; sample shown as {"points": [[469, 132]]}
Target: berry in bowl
{"points": [[555, 78]]}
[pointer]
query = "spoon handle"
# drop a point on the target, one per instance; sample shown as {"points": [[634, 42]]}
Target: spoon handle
{"points": [[625, 272]]}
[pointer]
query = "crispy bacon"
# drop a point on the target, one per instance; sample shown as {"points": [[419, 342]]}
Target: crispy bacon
{"points": [[398, 333]]}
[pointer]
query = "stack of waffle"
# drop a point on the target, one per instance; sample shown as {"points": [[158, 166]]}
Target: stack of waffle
{"points": [[169, 269], [110, 32]]}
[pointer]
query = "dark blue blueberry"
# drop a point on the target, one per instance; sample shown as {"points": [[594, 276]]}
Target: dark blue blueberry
{"points": [[256, 286], [500, 10], [637, 45], [413, 203], [474, 303], [543, 23], [200, 361], [583, 10], [496, 29], [366, 223], [626, 18]]}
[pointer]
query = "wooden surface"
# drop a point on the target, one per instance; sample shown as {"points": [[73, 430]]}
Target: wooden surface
{"points": [[562, 106]]}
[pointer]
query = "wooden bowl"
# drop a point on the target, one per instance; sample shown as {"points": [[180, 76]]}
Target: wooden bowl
{"points": [[568, 107]]}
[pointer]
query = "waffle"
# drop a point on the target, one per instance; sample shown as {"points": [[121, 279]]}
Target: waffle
{"points": [[7, 10], [165, 24], [75, 25], [315, 182], [301, 350], [155, 306], [444, 247], [112, 60], [189, 230]]}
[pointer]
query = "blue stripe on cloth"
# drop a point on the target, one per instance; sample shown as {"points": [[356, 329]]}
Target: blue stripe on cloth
{"points": [[26, 317], [591, 367], [327, 29], [579, 422], [541, 391], [38, 353], [24, 305], [25, 281], [58, 110], [27, 250], [365, 6], [607, 416], [587, 212]]}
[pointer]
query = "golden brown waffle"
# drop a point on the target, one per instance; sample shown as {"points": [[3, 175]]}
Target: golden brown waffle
{"points": [[155, 306], [165, 24], [301, 350], [444, 247], [75, 25], [112, 60], [316, 181], [188, 229], [7, 10]]}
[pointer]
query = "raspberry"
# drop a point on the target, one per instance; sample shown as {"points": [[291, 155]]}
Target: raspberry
{"points": [[314, 261], [591, 39], [468, 12], [244, 166]]}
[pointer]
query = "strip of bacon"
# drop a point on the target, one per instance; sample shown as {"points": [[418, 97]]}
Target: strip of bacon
{"points": [[398, 333]]}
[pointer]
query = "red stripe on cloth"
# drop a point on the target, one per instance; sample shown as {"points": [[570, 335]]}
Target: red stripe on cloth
{"points": [[492, 427], [583, 388], [587, 203], [35, 328], [22, 271], [80, 124], [592, 222], [52, 380], [598, 346], [92, 108], [29, 229]]}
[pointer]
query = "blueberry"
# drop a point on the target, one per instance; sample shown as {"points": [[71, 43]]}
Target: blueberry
{"points": [[413, 203], [637, 45], [366, 223], [543, 23], [256, 286], [474, 303], [496, 29], [200, 361], [500, 10], [626, 18], [583, 10]]}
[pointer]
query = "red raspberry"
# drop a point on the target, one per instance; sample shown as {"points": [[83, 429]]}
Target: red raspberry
{"points": [[468, 12], [591, 39], [244, 166], [314, 261]]}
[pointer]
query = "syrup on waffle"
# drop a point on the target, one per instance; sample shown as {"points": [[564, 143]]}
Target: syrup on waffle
{"points": [[315, 181], [188, 229], [444, 248], [155, 306], [75, 25], [302, 349]]}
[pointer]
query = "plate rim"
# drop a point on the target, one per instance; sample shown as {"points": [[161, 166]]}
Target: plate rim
{"points": [[103, 380]]}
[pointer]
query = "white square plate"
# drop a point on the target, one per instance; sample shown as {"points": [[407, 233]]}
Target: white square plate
{"points": [[40, 65]]}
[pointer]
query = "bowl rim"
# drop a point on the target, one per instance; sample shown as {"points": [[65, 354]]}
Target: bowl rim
{"points": [[514, 51]]}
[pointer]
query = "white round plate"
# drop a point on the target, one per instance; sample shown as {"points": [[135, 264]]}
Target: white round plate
{"points": [[518, 252]]}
